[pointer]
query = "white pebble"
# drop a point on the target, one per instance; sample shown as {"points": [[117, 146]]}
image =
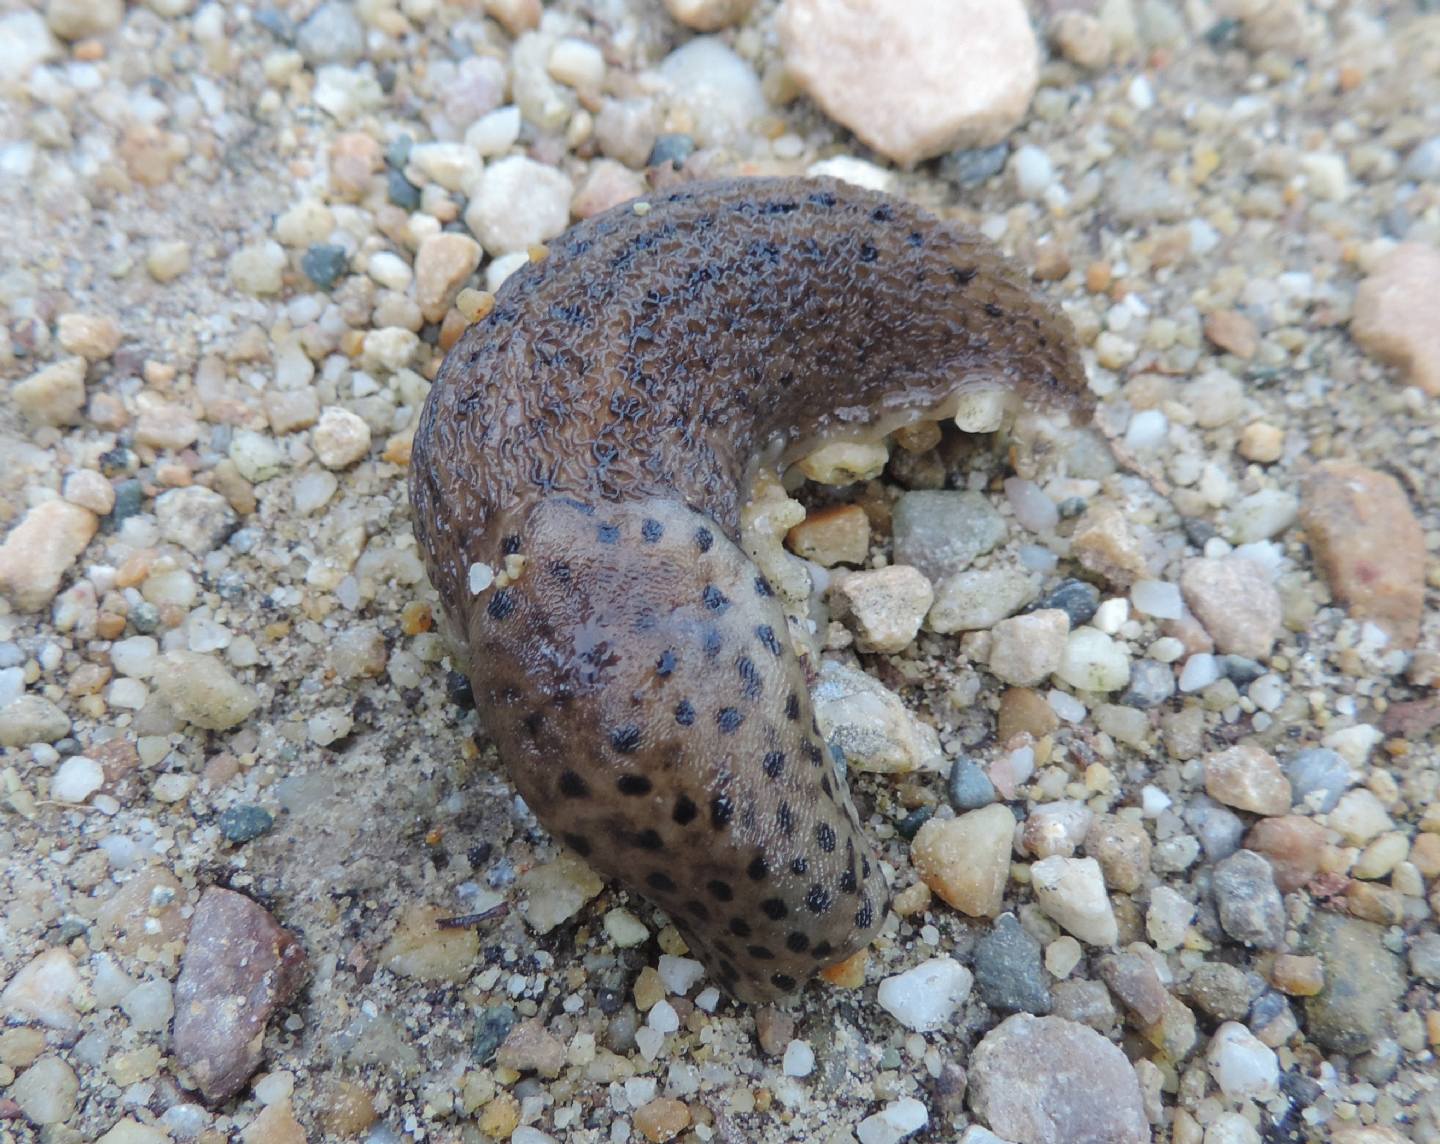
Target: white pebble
{"points": [[648, 1041], [577, 64], [480, 577], [679, 974], [390, 270], [1033, 170], [663, 1018], [1243, 1066], [77, 779], [1267, 692], [893, 1123], [1033, 508], [926, 997], [708, 999], [1065, 706], [1200, 671], [1157, 598], [495, 133], [1147, 430], [1094, 662], [624, 928], [1167, 649], [799, 1059], [135, 656], [1111, 615], [502, 268]]}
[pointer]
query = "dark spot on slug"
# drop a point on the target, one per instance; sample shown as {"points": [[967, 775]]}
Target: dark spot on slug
{"points": [[774, 909], [719, 890], [792, 707], [704, 538], [783, 981], [573, 786], [665, 664], [762, 587], [721, 811], [633, 785], [750, 682], [768, 641], [728, 719], [740, 927], [685, 810], [760, 953], [774, 764], [607, 533], [510, 545], [796, 942], [817, 899], [652, 530], [626, 740], [758, 870], [649, 840], [684, 713], [868, 253], [825, 836], [578, 843], [715, 599], [662, 882], [502, 605]]}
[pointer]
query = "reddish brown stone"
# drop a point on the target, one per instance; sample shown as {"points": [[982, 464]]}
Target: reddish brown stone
{"points": [[239, 967], [1368, 544], [1292, 844]]}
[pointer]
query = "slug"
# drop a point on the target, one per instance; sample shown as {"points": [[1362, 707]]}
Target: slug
{"points": [[577, 479]]}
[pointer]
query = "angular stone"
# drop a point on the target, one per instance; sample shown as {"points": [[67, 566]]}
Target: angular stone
{"points": [[55, 395], [1045, 1080], [442, 264], [871, 724], [40, 550], [887, 606], [45, 990], [1364, 982], [966, 860], [1235, 600], [1247, 777], [1368, 544], [239, 967], [1248, 901]]}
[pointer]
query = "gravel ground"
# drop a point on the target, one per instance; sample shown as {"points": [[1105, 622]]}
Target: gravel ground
{"points": [[1142, 716]]}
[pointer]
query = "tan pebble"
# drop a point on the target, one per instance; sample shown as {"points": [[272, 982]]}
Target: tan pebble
{"points": [[1367, 544], [442, 264], [1024, 712], [55, 395], [348, 1109], [1052, 260], [90, 490], [648, 989], [529, 1047], [1293, 845], [421, 949], [1081, 38], [1026, 650], [164, 425], [774, 1029], [290, 410], [1261, 442], [340, 438], [1233, 332], [662, 1119], [1298, 976], [39, 550], [955, 73], [1123, 848], [966, 860], [608, 184], [886, 605], [1104, 543], [1394, 317], [515, 16], [839, 534], [1247, 777], [1236, 601], [1425, 854], [912, 900], [1098, 277], [354, 158], [1375, 903], [167, 259], [708, 15], [149, 911], [500, 1117], [92, 337]]}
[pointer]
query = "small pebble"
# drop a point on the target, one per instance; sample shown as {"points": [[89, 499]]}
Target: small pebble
{"points": [[925, 998]]}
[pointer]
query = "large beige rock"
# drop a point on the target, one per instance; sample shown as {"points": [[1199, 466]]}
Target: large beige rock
{"points": [[1394, 315], [918, 78]]}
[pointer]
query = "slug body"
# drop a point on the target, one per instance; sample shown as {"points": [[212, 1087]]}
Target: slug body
{"points": [[600, 428]]}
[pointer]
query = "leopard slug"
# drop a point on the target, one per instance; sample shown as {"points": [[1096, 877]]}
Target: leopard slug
{"points": [[577, 480]]}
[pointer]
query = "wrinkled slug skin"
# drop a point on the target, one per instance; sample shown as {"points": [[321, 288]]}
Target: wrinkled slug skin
{"points": [[601, 422]]}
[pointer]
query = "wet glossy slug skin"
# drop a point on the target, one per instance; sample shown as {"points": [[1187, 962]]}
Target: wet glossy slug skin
{"points": [[602, 422]]}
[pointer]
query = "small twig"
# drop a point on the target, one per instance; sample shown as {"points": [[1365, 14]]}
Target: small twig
{"points": [[465, 921]]}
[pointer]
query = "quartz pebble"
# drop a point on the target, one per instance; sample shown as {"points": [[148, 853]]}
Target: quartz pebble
{"points": [[442, 264], [518, 204], [201, 691], [1046, 1080], [871, 724], [341, 438], [950, 75], [1093, 661], [977, 599], [966, 860], [717, 88], [709, 15], [893, 1123], [1368, 544], [886, 605], [926, 997], [77, 779], [556, 891], [46, 1092], [44, 991], [1027, 650], [1072, 892], [196, 518], [799, 1059]]}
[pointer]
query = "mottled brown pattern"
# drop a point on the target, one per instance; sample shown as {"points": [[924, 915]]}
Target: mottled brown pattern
{"points": [[602, 422]]}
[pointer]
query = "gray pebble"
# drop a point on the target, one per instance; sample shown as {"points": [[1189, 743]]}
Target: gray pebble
{"points": [[1425, 957], [401, 191], [1008, 972], [1223, 991], [969, 787], [940, 532], [241, 824], [323, 264], [1240, 670], [1218, 829], [973, 167], [1248, 901], [332, 35], [1317, 771], [1151, 684], [1075, 598], [492, 1026], [1087, 1002], [1364, 982]]}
